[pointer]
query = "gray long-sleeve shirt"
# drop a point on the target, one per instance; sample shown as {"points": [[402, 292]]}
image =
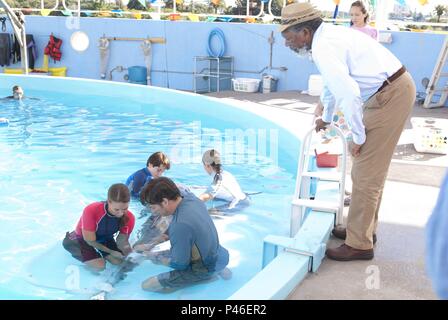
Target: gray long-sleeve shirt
{"points": [[192, 225]]}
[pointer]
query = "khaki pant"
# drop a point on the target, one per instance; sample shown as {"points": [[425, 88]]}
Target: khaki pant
{"points": [[384, 117]]}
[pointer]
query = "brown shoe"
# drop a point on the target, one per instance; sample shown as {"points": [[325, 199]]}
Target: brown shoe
{"points": [[341, 233], [347, 253]]}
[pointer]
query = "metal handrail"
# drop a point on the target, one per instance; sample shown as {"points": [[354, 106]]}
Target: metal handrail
{"points": [[79, 10], [42, 5], [303, 165], [269, 13]]}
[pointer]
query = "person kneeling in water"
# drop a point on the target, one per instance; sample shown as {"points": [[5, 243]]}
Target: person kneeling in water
{"points": [[196, 254], [93, 240], [156, 165], [224, 186]]}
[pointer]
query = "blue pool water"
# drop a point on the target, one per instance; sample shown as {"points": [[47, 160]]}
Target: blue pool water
{"points": [[63, 151]]}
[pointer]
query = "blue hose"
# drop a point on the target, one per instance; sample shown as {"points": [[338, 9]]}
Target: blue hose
{"points": [[216, 32]]}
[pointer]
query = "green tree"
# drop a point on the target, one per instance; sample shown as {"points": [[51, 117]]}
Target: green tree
{"points": [[136, 5], [439, 10]]}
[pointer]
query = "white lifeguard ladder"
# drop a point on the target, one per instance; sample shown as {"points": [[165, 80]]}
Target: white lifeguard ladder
{"points": [[302, 198], [438, 74]]}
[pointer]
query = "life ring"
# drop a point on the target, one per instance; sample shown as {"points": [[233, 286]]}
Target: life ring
{"points": [[218, 33], [4, 122]]}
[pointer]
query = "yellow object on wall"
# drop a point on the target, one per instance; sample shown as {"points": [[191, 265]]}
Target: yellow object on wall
{"points": [[193, 17], [45, 62], [58, 72], [13, 71], [45, 12], [55, 72], [423, 2]]}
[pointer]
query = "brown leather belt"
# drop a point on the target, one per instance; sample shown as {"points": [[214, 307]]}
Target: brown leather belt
{"points": [[392, 78]]}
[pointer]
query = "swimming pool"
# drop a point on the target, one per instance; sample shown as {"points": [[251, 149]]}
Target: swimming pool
{"points": [[63, 151]]}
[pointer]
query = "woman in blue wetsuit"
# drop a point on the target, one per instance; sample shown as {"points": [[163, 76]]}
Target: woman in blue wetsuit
{"points": [[224, 186], [156, 165]]}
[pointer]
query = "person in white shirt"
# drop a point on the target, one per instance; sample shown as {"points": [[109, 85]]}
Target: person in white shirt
{"points": [[224, 186], [359, 17], [376, 95]]}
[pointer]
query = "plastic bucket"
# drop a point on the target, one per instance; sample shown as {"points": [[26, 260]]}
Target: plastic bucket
{"points": [[137, 74], [315, 85], [269, 84]]}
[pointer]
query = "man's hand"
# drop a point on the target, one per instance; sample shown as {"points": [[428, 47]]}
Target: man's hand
{"points": [[355, 149], [319, 110], [162, 238], [142, 247], [321, 124], [135, 257]]}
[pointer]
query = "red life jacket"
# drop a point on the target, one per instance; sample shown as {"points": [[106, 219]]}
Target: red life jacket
{"points": [[53, 48]]}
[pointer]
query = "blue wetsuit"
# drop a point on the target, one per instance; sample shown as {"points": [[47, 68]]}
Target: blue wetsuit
{"points": [[137, 180]]}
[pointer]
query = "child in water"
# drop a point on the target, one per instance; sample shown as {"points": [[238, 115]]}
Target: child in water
{"points": [[224, 186], [156, 165]]}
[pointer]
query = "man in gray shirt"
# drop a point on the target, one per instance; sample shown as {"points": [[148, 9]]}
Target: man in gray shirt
{"points": [[195, 253]]}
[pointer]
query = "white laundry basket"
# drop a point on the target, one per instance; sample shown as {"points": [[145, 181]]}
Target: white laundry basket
{"points": [[430, 135], [246, 84]]}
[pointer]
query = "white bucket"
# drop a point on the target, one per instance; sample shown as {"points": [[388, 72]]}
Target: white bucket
{"points": [[315, 85]]}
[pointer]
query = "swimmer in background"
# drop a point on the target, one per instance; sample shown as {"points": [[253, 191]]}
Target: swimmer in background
{"points": [[18, 94]]}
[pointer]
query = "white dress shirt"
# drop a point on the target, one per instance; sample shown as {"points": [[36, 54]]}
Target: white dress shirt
{"points": [[353, 68]]}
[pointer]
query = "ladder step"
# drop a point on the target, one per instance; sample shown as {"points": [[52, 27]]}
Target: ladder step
{"points": [[317, 205], [440, 90], [334, 176]]}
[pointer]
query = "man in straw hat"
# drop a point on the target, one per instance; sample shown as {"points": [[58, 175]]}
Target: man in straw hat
{"points": [[376, 94]]}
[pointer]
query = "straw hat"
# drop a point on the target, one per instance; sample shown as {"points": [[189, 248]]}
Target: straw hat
{"points": [[297, 13]]}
